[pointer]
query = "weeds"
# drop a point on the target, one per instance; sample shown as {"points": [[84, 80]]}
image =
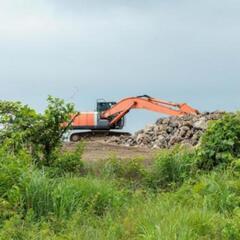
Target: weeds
{"points": [[69, 162], [184, 193], [130, 172], [62, 197], [171, 168]]}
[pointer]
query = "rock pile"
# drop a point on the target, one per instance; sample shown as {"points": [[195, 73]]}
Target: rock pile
{"points": [[167, 132]]}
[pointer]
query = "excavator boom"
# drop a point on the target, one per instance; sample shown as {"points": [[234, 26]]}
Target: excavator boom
{"points": [[120, 109]]}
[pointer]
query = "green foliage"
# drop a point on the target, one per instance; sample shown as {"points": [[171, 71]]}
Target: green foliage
{"points": [[69, 161], [114, 199], [171, 168], [13, 171], [39, 133], [207, 209], [16, 121], [37, 195], [17, 228], [62, 197], [96, 196], [221, 192], [202, 210], [220, 144], [6, 211], [48, 130], [130, 172], [166, 216], [130, 169]]}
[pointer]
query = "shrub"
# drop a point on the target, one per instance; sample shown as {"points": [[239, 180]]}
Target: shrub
{"points": [[13, 170], [69, 162], [171, 167], [220, 144]]}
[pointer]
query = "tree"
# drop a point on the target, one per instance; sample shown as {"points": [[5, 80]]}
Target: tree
{"points": [[41, 134]]}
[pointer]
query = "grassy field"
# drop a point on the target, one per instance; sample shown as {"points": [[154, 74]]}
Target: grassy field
{"points": [[184, 193]]}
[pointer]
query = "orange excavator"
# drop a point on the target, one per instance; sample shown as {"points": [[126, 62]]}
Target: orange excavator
{"points": [[110, 115]]}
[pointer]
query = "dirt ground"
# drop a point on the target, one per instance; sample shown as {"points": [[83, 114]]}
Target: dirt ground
{"points": [[96, 150]]}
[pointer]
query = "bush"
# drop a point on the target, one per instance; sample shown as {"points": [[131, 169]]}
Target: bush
{"points": [[13, 171], [69, 162], [220, 144], [171, 167]]}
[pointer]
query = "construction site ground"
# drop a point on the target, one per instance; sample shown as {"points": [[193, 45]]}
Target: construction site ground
{"points": [[98, 149]]}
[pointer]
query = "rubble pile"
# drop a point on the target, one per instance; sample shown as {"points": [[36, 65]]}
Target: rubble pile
{"points": [[167, 132]]}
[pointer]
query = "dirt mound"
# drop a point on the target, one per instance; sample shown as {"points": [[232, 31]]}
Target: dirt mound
{"points": [[167, 132]]}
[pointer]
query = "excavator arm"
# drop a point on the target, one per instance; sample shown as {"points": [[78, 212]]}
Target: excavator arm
{"points": [[121, 108]]}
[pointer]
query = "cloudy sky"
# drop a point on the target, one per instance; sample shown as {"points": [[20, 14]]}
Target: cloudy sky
{"points": [[81, 50]]}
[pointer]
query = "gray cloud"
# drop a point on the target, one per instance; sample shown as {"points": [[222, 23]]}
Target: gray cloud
{"points": [[177, 50]]}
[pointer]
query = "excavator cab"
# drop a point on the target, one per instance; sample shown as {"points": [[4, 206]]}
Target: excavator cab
{"points": [[103, 105]]}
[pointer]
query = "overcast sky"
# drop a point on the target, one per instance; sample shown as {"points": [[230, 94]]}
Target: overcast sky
{"points": [[179, 50]]}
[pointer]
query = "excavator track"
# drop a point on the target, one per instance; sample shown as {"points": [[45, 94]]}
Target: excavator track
{"points": [[89, 135]]}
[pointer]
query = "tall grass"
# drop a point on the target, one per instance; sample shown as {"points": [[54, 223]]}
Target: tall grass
{"points": [[171, 168], [62, 197], [37, 195], [206, 207], [183, 194]]}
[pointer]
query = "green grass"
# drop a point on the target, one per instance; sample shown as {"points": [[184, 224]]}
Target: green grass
{"points": [[205, 209], [95, 207], [63, 196], [183, 194]]}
